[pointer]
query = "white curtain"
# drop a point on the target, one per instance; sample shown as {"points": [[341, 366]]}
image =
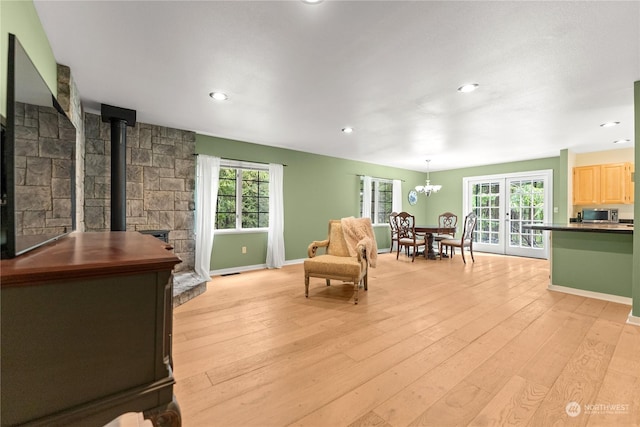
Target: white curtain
{"points": [[275, 237], [396, 200], [207, 174], [366, 196]]}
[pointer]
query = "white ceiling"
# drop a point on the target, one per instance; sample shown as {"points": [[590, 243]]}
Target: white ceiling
{"points": [[549, 72]]}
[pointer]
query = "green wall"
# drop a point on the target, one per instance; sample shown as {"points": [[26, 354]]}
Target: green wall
{"points": [[316, 189], [20, 18], [597, 262], [450, 197], [636, 214]]}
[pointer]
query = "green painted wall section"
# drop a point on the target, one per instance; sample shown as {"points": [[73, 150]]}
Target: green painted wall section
{"points": [[450, 197], [597, 262], [20, 18], [636, 234], [561, 188], [316, 189]]}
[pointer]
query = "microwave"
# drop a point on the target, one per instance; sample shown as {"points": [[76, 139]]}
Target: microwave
{"points": [[600, 215]]}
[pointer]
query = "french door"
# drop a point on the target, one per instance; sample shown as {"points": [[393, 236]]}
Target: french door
{"points": [[503, 204]]}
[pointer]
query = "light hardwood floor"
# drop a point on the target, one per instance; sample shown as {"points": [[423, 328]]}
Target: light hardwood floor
{"points": [[431, 343]]}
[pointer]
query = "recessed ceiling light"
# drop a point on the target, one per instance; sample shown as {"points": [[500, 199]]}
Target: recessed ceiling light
{"points": [[219, 96], [470, 87], [621, 141], [311, 1], [347, 130], [609, 124]]}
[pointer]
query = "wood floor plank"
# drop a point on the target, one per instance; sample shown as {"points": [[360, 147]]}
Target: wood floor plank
{"points": [[375, 391], [514, 405], [415, 399], [431, 343], [582, 376]]}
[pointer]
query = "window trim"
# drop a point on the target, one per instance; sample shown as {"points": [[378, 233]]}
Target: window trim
{"points": [[239, 166], [376, 192]]}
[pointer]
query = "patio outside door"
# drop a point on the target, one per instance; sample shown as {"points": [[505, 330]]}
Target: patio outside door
{"points": [[503, 204]]}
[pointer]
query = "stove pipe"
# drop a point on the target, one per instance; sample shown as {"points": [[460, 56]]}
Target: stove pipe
{"points": [[119, 118]]}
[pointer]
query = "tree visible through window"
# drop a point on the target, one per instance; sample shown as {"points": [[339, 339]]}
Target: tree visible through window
{"points": [[243, 199], [381, 199]]}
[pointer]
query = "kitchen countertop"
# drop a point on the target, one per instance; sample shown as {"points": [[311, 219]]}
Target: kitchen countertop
{"points": [[618, 228]]}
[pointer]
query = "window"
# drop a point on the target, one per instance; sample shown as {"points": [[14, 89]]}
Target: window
{"points": [[243, 198], [381, 199]]}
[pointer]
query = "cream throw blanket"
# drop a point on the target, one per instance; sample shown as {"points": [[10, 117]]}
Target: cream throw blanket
{"points": [[357, 231]]}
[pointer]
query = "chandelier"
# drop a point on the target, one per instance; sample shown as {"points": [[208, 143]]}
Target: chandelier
{"points": [[428, 188]]}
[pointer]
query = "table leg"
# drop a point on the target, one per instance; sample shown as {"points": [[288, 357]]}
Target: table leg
{"points": [[431, 254]]}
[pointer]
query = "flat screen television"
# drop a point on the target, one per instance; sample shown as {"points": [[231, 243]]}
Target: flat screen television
{"points": [[37, 200]]}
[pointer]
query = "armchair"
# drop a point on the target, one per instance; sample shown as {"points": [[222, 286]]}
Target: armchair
{"points": [[338, 262]]}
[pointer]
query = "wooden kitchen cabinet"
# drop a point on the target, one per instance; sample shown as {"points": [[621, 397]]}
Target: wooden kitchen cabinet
{"points": [[586, 185], [603, 184]]}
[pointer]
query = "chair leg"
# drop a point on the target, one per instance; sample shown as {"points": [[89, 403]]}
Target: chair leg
{"points": [[366, 280], [462, 251], [357, 286], [471, 250], [414, 253], [398, 253], [328, 282], [306, 285]]}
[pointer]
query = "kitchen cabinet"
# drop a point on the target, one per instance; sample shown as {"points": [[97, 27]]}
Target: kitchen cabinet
{"points": [[603, 184], [86, 332]]}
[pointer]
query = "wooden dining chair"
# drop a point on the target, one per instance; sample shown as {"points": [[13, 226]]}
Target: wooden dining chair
{"points": [[446, 220], [466, 240], [407, 236], [393, 226]]}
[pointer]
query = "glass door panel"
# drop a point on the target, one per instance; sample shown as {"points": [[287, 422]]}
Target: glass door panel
{"points": [[504, 204]]}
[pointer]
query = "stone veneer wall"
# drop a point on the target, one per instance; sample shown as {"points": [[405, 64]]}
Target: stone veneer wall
{"points": [[69, 100], [160, 182], [45, 144]]}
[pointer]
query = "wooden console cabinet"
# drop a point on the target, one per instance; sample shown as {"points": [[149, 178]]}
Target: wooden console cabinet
{"points": [[86, 331]]}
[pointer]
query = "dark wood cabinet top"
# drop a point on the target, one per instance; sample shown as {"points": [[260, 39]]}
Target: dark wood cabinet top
{"points": [[618, 228], [87, 255]]}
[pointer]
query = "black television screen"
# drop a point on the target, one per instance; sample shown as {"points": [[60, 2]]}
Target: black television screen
{"points": [[38, 161]]}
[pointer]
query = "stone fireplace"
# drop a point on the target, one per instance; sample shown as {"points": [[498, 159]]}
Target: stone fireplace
{"points": [[160, 182]]}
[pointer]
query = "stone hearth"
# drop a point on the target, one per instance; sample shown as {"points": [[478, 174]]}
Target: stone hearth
{"points": [[186, 285]]}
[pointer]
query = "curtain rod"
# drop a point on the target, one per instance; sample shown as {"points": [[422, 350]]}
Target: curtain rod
{"points": [[377, 177], [238, 160]]}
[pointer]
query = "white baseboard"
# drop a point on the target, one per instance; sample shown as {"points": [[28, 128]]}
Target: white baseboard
{"points": [[234, 270], [590, 294], [633, 320]]}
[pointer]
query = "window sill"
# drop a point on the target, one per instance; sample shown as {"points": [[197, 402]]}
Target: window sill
{"points": [[242, 231]]}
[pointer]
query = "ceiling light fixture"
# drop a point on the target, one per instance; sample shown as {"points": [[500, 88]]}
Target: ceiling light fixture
{"points": [[219, 96], [347, 130], [609, 124], [427, 188], [470, 87], [621, 141], [311, 1]]}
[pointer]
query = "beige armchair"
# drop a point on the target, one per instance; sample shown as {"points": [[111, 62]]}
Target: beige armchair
{"points": [[337, 262]]}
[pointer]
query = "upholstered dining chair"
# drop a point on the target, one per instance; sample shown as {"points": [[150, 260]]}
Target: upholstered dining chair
{"points": [[446, 220], [407, 236], [393, 227], [466, 240]]}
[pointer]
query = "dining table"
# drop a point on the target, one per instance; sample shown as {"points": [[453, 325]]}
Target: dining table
{"points": [[429, 231]]}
